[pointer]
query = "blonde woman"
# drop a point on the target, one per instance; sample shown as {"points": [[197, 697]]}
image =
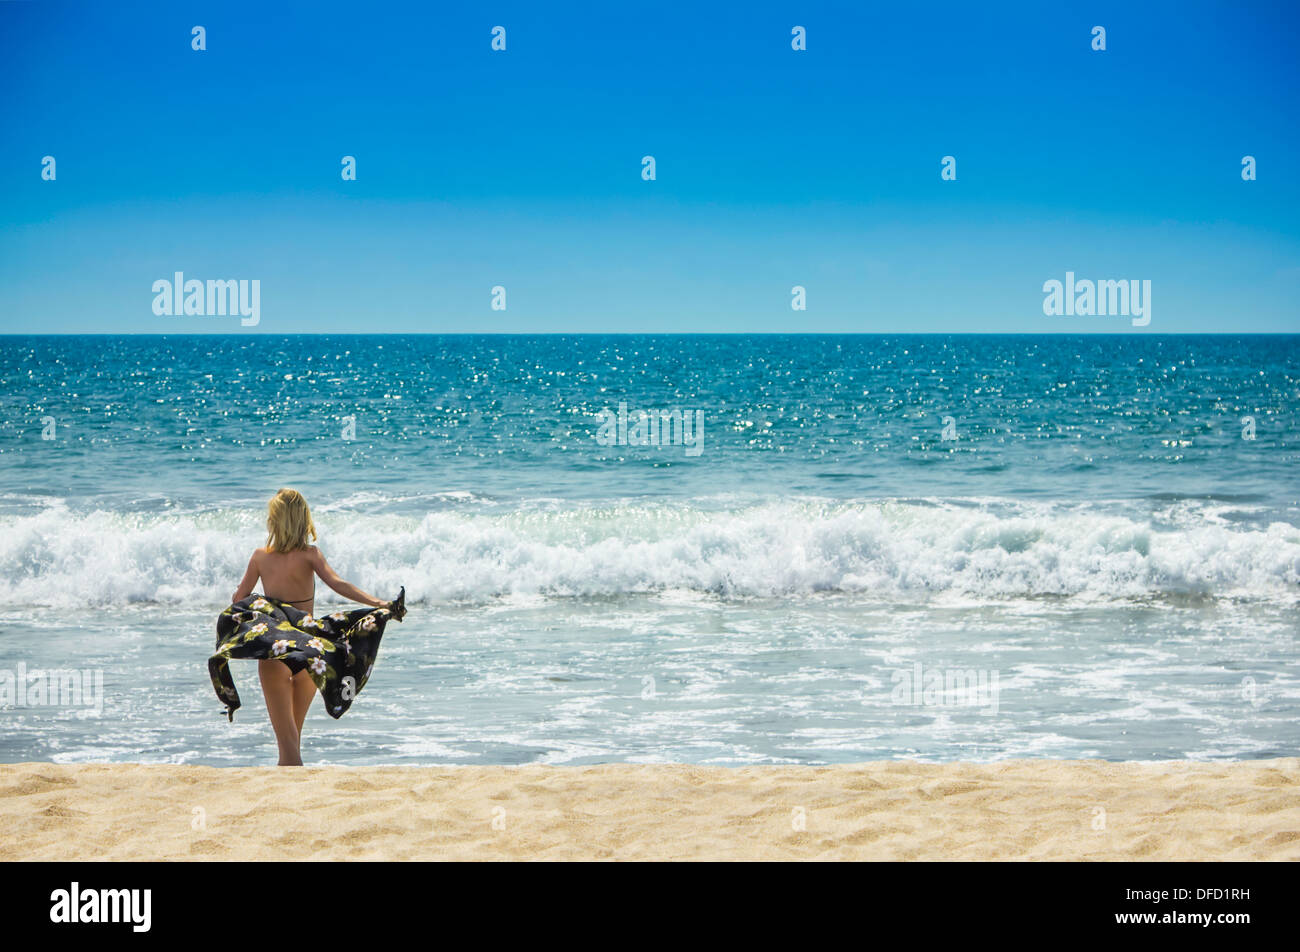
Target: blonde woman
{"points": [[297, 653]]}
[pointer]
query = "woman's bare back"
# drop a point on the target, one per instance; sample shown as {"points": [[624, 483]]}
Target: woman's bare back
{"points": [[288, 576]]}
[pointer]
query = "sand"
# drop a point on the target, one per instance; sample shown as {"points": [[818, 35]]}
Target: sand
{"points": [[1031, 810]]}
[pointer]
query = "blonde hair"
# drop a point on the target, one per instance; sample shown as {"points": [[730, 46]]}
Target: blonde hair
{"points": [[288, 522]]}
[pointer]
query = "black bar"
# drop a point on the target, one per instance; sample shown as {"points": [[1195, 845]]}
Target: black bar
{"points": [[940, 901]]}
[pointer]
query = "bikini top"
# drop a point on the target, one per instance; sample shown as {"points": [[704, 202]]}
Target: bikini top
{"points": [[296, 601]]}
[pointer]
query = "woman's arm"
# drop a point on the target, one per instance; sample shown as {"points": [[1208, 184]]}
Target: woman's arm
{"points": [[344, 588], [249, 580]]}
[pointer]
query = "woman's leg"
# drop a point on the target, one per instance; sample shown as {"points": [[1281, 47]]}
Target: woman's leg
{"points": [[304, 689], [277, 685]]}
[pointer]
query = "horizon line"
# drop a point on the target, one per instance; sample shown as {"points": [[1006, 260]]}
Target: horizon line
{"points": [[656, 334]]}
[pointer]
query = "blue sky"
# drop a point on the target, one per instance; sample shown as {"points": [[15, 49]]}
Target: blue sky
{"points": [[775, 168]]}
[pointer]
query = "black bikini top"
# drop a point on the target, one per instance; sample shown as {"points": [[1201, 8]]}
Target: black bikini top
{"points": [[295, 601]]}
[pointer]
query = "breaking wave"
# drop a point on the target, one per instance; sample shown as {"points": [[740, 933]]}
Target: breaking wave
{"points": [[884, 549]]}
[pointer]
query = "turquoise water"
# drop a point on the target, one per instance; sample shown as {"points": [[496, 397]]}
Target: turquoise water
{"points": [[1098, 543]]}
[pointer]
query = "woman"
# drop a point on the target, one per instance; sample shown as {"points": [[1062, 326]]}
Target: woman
{"points": [[297, 654]]}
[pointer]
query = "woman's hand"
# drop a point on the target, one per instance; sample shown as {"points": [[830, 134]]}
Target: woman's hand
{"points": [[398, 605]]}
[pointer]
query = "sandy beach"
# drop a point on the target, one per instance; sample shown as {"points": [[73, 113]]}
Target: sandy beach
{"points": [[1030, 810]]}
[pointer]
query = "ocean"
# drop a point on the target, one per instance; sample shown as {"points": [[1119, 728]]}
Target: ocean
{"points": [[837, 548]]}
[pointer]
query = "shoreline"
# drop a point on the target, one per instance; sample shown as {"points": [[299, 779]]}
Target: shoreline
{"points": [[880, 810]]}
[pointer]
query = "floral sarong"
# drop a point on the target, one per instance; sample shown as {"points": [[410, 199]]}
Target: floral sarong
{"points": [[338, 650]]}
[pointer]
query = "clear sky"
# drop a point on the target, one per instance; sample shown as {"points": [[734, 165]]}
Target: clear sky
{"points": [[775, 167]]}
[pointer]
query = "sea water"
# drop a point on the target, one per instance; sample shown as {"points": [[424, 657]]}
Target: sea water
{"points": [[837, 548]]}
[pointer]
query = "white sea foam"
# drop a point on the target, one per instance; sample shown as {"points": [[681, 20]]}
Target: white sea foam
{"points": [[878, 549]]}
